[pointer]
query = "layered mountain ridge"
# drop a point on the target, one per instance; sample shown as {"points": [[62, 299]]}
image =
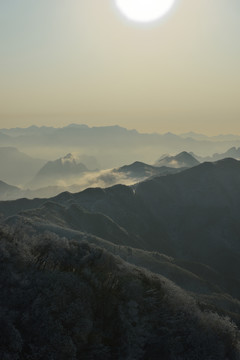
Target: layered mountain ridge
{"points": [[192, 215], [82, 260]]}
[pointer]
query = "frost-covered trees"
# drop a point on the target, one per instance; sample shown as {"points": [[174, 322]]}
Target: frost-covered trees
{"points": [[64, 299]]}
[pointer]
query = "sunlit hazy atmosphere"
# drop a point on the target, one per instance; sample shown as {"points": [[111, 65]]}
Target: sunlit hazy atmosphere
{"points": [[64, 61]]}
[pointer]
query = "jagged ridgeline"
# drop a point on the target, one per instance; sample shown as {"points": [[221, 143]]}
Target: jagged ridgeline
{"points": [[149, 271], [67, 299]]}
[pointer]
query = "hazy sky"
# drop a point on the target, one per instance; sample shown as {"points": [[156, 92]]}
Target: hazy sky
{"points": [[65, 61]]}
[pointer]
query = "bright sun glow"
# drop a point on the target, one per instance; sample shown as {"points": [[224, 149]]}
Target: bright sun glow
{"points": [[144, 10]]}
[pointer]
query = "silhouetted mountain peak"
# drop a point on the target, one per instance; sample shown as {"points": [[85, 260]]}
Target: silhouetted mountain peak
{"points": [[66, 165], [136, 166], [227, 161], [183, 156], [227, 164], [183, 159]]}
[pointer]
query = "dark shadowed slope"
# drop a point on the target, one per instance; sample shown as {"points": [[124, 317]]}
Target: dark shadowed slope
{"points": [[65, 299], [200, 209], [117, 203], [192, 215]]}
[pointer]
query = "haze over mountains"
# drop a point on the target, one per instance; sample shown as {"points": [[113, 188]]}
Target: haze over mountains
{"points": [[9, 192], [69, 174], [99, 157], [233, 153], [92, 147], [17, 167], [153, 247], [60, 169], [125, 146]]}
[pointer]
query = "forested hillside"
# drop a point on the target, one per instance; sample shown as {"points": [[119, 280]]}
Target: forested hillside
{"points": [[65, 299]]}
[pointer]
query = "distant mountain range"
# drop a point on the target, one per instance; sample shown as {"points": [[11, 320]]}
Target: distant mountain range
{"points": [[196, 136], [230, 153], [126, 146], [68, 173], [47, 130]]}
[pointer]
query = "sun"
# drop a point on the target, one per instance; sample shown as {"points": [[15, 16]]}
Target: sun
{"points": [[144, 10]]}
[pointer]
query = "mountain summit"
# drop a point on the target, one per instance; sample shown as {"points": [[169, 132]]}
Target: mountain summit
{"points": [[64, 166], [58, 170], [183, 159]]}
